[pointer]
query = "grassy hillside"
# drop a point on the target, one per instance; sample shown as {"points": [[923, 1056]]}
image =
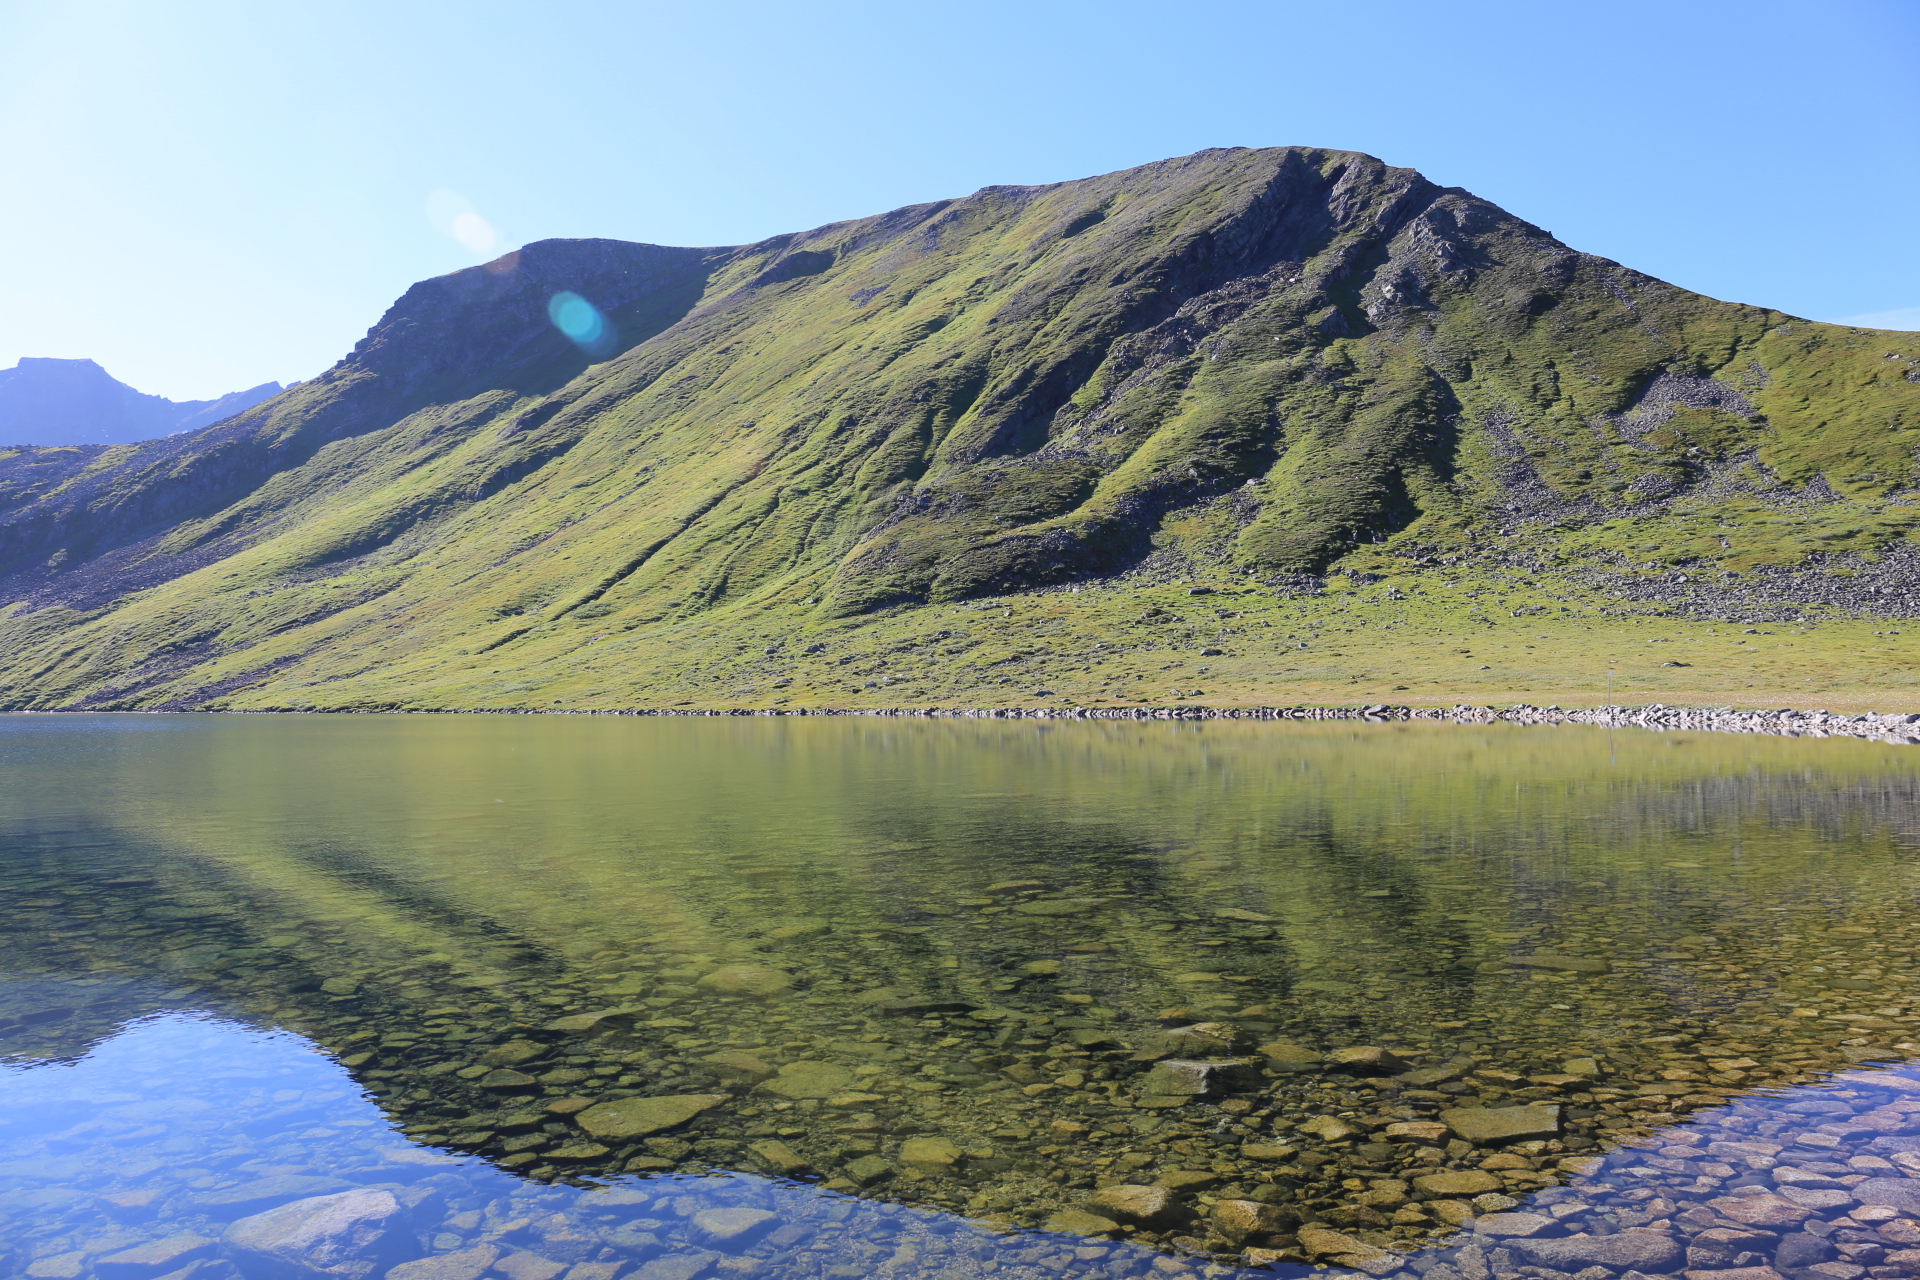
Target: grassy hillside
{"points": [[974, 450]]}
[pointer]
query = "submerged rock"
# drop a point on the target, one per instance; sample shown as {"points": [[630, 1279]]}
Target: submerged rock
{"points": [[778, 1158], [461, 1264], [737, 1066], [151, 1259], [937, 1156], [1481, 1125], [263, 1193], [1146, 1206], [757, 981], [1080, 1222], [1054, 907], [1560, 963], [638, 1117], [595, 1023], [1630, 1250], [1365, 1060], [733, 1225], [1241, 1222], [1330, 1129], [348, 1236], [1462, 1182], [1282, 1056], [1343, 1250], [808, 1079], [1895, 1193]]}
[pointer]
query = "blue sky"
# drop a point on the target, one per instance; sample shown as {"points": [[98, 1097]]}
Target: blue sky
{"points": [[207, 195]]}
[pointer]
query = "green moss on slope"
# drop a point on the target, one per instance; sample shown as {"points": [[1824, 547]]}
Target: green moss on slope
{"points": [[1238, 362]]}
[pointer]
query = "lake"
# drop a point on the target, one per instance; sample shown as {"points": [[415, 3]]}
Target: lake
{"points": [[560, 998]]}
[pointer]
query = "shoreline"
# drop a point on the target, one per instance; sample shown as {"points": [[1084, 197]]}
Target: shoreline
{"points": [[1893, 728]]}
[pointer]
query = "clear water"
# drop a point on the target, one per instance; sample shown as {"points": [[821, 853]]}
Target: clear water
{"points": [[360, 996]]}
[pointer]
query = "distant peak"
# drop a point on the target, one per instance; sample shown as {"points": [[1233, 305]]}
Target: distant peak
{"points": [[52, 400], [53, 364]]}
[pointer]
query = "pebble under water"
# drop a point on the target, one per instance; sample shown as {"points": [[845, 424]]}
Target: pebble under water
{"points": [[439, 998]]}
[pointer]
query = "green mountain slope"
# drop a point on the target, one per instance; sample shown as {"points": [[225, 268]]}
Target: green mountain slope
{"points": [[1245, 365]]}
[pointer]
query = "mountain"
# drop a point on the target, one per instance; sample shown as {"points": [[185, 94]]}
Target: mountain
{"points": [[61, 402], [1387, 415]]}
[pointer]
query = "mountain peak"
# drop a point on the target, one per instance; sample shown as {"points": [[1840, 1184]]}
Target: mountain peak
{"points": [[1248, 365], [51, 400]]}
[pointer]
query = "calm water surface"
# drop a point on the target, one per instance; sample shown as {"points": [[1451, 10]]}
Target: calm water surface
{"points": [[570, 999]]}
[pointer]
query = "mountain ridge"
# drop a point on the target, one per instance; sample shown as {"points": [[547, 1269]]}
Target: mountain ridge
{"points": [[49, 401], [1259, 364]]}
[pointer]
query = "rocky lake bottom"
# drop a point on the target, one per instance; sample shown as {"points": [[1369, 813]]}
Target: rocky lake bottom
{"points": [[673, 1001]]}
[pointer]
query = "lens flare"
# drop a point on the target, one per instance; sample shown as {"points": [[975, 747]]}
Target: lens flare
{"points": [[582, 322], [454, 217], [471, 230]]}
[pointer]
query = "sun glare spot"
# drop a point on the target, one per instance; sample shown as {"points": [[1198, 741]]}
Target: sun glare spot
{"points": [[576, 317], [454, 216], [582, 322], [471, 230]]}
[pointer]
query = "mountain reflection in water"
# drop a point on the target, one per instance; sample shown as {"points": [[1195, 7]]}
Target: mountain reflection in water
{"points": [[553, 998]]}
